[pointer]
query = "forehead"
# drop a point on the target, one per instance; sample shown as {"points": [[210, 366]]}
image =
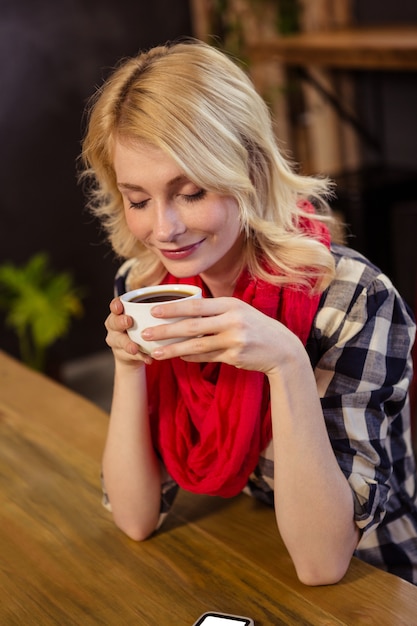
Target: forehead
{"points": [[140, 161]]}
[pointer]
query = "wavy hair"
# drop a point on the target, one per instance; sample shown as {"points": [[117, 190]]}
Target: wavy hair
{"points": [[193, 102]]}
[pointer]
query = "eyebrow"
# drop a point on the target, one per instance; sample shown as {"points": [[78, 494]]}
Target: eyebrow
{"points": [[171, 183]]}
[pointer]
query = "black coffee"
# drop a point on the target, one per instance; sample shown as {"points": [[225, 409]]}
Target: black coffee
{"points": [[162, 296]]}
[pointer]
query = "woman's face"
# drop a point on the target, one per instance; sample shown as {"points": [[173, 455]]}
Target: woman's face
{"points": [[192, 231]]}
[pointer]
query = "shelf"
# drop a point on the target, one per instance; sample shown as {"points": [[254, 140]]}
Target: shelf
{"points": [[382, 48]]}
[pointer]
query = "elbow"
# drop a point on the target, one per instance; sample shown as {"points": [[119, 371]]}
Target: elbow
{"points": [[136, 534], [321, 574], [134, 530], [326, 565]]}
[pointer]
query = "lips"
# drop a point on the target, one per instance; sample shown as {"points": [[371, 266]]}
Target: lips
{"points": [[181, 253]]}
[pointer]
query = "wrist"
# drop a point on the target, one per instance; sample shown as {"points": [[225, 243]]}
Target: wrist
{"points": [[131, 367], [291, 359]]}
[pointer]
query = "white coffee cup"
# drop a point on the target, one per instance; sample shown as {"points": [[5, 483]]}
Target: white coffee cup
{"points": [[139, 302]]}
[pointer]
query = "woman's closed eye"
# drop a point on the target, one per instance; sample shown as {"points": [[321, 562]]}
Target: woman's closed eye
{"points": [[138, 205], [194, 197], [187, 197]]}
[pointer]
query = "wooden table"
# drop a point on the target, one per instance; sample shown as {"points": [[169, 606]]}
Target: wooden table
{"points": [[376, 48], [63, 562]]}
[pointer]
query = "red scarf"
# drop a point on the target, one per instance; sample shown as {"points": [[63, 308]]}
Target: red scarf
{"points": [[211, 421]]}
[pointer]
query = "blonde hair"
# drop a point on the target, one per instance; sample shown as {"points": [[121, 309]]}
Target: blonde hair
{"points": [[192, 101]]}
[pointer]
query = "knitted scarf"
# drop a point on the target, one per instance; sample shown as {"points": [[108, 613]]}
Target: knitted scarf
{"points": [[211, 421]]}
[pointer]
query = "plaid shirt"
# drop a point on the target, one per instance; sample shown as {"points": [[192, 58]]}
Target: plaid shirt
{"points": [[359, 348]]}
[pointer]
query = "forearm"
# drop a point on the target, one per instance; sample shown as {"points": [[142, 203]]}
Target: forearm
{"points": [[313, 501], [130, 466]]}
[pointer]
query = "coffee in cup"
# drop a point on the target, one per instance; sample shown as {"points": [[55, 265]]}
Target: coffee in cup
{"points": [[139, 302]]}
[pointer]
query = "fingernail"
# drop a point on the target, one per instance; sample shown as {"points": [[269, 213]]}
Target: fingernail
{"points": [[156, 311], [156, 354], [147, 333]]}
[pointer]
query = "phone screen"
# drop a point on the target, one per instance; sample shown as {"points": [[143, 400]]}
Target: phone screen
{"points": [[212, 619]]}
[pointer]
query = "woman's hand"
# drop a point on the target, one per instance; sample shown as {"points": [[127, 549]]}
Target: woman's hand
{"points": [[224, 329], [124, 350]]}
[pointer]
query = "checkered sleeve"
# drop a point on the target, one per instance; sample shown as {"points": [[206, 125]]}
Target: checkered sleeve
{"points": [[122, 278], [364, 334]]}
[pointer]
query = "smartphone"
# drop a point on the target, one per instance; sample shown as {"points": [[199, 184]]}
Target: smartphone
{"points": [[223, 619]]}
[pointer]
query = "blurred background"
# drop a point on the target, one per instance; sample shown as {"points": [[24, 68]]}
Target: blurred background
{"points": [[346, 111]]}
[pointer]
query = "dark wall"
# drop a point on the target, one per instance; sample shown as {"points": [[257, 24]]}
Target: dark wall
{"points": [[388, 100], [380, 200], [52, 55]]}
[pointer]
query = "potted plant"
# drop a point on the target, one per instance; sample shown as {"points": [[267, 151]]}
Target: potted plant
{"points": [[39, 305]]}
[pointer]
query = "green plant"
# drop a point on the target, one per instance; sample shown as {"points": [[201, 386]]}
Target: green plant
{"points": [[39, 305]]}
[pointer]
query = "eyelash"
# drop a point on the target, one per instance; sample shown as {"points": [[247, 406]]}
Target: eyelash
{"points": [[190, 198], [138, 205], [199, 195]]}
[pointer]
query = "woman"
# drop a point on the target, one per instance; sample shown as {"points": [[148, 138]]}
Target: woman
{"points": [[292, 383]]}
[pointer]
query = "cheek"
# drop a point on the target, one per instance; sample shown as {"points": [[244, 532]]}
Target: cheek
{"points": [[231, 223], [136, 224], [224, 217]]}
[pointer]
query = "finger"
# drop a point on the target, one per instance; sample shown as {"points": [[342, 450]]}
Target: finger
{"points": [[195, 327], [122, 345], [190, 347], [209, 357], [116, 306], [134, 350], [119, 323], [192, 308]]}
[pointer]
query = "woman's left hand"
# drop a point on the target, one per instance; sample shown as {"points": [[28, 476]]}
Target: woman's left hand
{"points": [[223, 329]]}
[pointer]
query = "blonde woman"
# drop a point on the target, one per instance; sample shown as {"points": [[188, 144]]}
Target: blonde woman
{"points": [[292, 383]]}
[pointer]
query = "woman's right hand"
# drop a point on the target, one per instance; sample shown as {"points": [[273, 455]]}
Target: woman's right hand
{"points": [[124, 350]]}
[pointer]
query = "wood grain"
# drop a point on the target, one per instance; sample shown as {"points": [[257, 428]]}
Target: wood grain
{"points": [[62, 560], [382, 48]]}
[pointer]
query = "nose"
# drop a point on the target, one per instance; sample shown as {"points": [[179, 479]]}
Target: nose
{"points": [[167, 223]]}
